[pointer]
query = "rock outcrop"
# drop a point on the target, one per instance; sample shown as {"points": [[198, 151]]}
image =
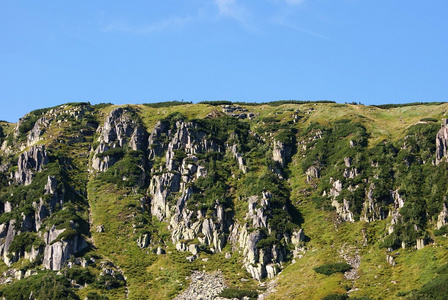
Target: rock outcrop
{"points": [[29, 162], [442, 142], [442, 218], [172, 199], [57, 252], [121, 129]]}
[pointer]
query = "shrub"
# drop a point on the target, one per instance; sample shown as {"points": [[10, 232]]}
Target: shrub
{"points": [[335, 297], [165, 104], [80, 275], [328, 269], [437, 288], [95, 296], [239, 294], [42, 286], [24, 242], [441, 231]]}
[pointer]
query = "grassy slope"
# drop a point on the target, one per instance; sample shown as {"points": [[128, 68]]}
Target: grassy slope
{"points": [[150, 276], [378, 280]]}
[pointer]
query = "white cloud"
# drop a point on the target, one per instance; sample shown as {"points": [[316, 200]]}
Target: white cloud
{"points": [[230, 8]]}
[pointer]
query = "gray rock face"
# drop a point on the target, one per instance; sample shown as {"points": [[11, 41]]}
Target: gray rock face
{"points": [[239, 158], [170, 193], [281, 153], [184, 223], [7, 234], [442, 142], [29, 162], [420, 244], [371, 210], [120, 129], [143, 240], [38, 129], [442, 218], [57, 253], [395, 212], [312, 173]]}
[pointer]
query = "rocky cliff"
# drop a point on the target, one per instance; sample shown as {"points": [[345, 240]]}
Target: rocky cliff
{"points": [[113, 196]]}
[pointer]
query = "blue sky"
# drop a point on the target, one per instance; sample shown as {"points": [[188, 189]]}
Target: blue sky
{"points": [[369, 51]]}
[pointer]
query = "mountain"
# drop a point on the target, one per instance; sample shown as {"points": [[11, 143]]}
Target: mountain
{"points": [[278, 200]]}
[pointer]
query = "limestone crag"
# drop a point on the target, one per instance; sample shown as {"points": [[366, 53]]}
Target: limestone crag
{"points": [[180, 144], [371, 210], [29, 162], [442, 142], [312, 172], [7, 234], [121, 129], [259, 261], [395, 212], [442, 218], [57, 252], [185, 138]]}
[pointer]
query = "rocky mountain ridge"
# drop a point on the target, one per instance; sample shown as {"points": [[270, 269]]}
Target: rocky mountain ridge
{"points": [[216, 187]]}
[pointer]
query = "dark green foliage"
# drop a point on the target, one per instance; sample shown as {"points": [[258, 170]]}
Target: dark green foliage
{"points": [[95, 296], [24, 241], [165, 104], [80, 275], [116, 153], [436, 289], [107, 281], [270, 103], [334, 143], [388, 106], [179, 155], [442, 269], [216, 103], [239, 294], [127, 172], [429, 120], [336, 297], [441, 231], [44, 286], [101, 105], [267, 243], [328, 269], [286, 136]]}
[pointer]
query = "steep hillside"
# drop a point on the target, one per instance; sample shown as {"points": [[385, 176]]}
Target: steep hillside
{"points": [[283, 200]]}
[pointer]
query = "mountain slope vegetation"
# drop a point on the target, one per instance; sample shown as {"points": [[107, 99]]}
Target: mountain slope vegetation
{"points": [[287, 199]]}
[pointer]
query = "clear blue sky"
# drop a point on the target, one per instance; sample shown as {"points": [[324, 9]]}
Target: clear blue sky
{"points": [[369, 51]]}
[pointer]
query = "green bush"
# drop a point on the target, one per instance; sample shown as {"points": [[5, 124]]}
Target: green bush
{"points": [[95, 296], [116, 153], [239, 294], [328, 269], [441, 231], [44, 286], [165, 104], [436, 289], [267, 243], [335, 297], [80, 275], [24, 241]]}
